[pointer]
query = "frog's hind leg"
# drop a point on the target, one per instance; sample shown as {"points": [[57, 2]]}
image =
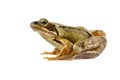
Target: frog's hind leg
{"points": [[55, 52], [90, 48]]}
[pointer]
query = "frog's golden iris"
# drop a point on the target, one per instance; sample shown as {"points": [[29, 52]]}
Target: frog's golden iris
{"points": [[43, 21]]}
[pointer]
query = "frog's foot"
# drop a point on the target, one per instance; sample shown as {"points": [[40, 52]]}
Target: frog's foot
{"points": [[98, 33], [87, 55], [55, 52], [63, 57]]}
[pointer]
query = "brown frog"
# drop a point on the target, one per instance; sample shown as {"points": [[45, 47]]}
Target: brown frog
{"points": [[70, 42]]}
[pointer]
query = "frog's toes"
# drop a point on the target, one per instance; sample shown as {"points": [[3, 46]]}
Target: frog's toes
{"points": [[64, 57], [45, 53], [51, 53], [49, 58]]}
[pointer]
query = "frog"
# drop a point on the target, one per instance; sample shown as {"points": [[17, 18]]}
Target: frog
{"points": [[70, 42]]}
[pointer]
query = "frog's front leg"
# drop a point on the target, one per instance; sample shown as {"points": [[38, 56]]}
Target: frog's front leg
{"points": [[89, 48], [65, 48], [54, 52]]}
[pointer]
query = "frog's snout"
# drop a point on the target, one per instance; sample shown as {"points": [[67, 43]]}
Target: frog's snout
{"points": [[33, 23]]}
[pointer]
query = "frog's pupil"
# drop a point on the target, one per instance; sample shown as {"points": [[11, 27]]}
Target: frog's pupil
{"points": [[43, 22]]}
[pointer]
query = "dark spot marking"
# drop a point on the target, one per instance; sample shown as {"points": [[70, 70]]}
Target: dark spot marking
{"points": [[52, 27], [35, 22], [63, 26], [71, 27], [58, 41], [82, 45], [79, 29]]}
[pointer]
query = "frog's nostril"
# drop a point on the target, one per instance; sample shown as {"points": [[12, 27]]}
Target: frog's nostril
{"points": [[33, 23]]}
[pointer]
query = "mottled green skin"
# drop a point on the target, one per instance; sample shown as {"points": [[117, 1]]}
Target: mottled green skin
{"points": [[72, 34]]}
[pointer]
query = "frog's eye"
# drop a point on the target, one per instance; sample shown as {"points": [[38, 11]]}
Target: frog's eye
{"points": [[43, 21]]}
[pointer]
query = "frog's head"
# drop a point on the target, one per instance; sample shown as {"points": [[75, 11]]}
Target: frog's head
{"points": [[43, 25], [38, 25]]}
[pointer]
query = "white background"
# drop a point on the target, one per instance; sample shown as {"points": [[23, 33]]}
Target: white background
{"points": [[20, 46]]}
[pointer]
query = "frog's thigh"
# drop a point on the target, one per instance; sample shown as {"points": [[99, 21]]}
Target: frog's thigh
{"points": [[89, 48]]}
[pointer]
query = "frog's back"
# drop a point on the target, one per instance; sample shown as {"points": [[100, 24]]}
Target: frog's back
{"points": [[73, 34]]}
